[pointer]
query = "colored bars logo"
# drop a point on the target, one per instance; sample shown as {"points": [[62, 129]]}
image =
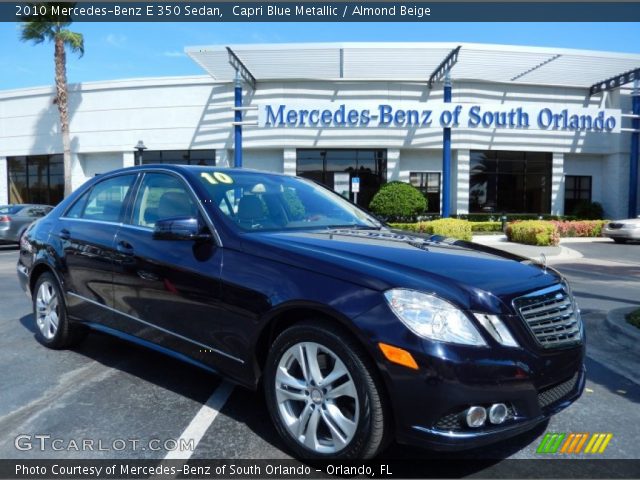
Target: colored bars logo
{"points": [[574, 443]]}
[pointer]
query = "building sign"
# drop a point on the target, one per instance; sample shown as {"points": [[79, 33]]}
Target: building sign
{"points": [[439, 115]]}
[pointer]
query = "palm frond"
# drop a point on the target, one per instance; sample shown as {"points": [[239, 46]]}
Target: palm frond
{"points": [[36, 32], [73, 40]]}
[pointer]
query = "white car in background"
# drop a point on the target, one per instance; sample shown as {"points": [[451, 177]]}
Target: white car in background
{"points": [[622, 230]]}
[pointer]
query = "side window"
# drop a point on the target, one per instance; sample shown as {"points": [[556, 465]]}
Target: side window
{"points": [[162, 196], [104, 201]]}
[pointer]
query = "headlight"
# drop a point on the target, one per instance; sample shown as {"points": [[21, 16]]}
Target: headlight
{"points": [[433, 318]]}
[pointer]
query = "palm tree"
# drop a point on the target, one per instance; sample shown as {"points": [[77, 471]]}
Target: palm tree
{"points": [[54, 28]]}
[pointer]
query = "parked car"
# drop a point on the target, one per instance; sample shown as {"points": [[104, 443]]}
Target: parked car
{"points": [[622, 231], [356, 332], [14, 220]]}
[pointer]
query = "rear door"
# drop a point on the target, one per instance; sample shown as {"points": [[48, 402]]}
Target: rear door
{"points": [[86, 235]]}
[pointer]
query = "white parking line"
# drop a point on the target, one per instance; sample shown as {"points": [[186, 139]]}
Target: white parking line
{"points": [[202, 421]]}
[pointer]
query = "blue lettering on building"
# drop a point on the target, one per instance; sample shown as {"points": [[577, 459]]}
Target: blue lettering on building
{"points": [[475, 116]]}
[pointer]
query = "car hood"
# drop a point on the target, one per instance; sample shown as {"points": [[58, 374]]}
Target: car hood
{"points": [[473, 275]]}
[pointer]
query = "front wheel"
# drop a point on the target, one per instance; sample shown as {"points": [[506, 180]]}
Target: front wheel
{"points": [[323, 394], [620, 240]]}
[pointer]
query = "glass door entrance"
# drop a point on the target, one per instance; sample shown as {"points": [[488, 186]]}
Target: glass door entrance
{"points": [[335, 168]]}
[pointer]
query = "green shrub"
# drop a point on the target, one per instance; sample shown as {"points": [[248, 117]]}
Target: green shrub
{"points": [[398, 201], [486, 227], [447, 227], [452, 227], [634, 318], [418, 227], [533, 232], [588, 210]]}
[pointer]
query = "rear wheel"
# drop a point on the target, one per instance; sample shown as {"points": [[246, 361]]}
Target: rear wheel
{"points": [[323, 394], [49, 310]]}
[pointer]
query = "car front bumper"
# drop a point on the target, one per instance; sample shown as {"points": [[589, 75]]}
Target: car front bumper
{"points": [[429, 404]]}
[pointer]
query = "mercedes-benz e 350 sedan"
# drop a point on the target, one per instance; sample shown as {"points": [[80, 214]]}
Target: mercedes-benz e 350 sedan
{"points": [[356, 332]]}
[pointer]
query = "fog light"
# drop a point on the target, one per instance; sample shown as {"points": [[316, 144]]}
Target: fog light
{"points": [[498, 413], [476, 416]]}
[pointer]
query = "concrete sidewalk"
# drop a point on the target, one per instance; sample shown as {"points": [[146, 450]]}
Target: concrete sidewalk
{"points": [[555, 254]]}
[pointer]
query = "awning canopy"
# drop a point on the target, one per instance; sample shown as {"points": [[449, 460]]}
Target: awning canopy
{"points": [[415, 62]]}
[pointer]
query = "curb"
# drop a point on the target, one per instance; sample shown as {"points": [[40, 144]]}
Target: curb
{"points": [[617, 322]]}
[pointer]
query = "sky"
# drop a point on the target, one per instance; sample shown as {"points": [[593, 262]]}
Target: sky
{"points": [[133, 50]]}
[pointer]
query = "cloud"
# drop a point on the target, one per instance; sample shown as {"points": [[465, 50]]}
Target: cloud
{"points": [[116, 39], [173, 54]]}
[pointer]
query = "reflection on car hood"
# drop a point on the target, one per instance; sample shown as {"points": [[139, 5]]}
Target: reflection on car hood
{"points": [[392, 258]]}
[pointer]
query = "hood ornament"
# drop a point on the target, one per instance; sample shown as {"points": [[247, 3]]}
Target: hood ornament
{"points": [[543, 262]]}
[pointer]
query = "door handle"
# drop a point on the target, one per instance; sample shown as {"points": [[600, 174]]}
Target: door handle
{"points": [[64, 234], [125, 248]]}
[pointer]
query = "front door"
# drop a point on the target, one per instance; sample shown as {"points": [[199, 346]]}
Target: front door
{"points": [[167, 291]]}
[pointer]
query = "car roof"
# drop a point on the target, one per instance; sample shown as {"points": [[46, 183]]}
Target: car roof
{"points": [[192, 169]]}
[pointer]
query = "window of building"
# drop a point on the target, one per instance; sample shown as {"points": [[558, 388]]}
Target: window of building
{"points": [[180, 157], [577, 189], [429, 184], [511, 182], [335, 168], [36, 179]]}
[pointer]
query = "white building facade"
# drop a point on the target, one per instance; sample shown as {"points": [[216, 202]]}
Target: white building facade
{"points": [[496, 168]]}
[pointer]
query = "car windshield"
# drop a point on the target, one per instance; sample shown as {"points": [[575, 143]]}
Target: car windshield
{"points": [[10, 209], [258, 202]]}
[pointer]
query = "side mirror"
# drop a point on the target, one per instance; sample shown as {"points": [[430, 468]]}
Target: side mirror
{"points": [[180, 228]]}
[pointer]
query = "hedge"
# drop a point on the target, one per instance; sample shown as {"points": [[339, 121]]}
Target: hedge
{"points": [[533, 232], [486, 227], [580, 228], [447, 227]]}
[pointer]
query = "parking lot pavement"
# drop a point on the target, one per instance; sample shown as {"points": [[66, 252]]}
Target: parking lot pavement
{"points": [[108, 390]]}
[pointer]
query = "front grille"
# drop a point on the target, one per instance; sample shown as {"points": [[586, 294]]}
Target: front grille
{"points": [[551, 315], [615, 226], [450, 422], [557, 393]]}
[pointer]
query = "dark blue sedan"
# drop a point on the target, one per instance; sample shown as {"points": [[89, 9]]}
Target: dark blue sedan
{"points": [[356, 332]]}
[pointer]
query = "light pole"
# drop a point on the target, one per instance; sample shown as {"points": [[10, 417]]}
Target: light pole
{"points": [[446, 154], [237, 97], [635, 149], [140, 147]]}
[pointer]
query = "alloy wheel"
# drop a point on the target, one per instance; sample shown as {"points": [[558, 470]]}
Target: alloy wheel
{"points": [[47, 310], [317, 398]]}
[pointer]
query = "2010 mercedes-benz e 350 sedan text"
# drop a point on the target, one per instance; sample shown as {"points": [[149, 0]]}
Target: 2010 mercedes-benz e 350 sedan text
{"points": [[358, 333]]}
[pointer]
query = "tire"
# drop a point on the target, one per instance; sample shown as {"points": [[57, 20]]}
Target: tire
{"points": [[53, 328], [311, 419], [620, 240]]}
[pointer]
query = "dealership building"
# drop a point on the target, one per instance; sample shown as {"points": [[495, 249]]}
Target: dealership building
{"points": [[532, 130]]}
